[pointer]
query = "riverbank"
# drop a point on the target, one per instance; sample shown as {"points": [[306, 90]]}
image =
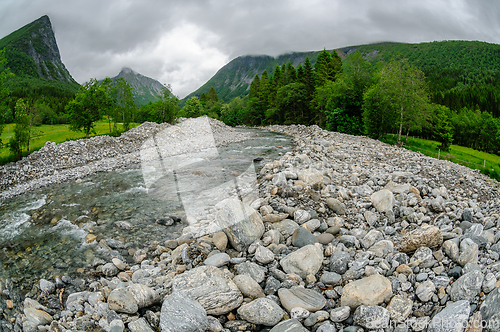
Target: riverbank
{"points": [[347, 233]]}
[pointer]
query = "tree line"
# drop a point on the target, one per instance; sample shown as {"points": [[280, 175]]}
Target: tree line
{"points": [[349, 95]]}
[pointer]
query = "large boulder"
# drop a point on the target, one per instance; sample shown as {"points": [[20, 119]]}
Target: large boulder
{"points": [[208, 286], [372, 290], [490, 312], [467, 286], [242, 224], [179, 313], [304, 261]]}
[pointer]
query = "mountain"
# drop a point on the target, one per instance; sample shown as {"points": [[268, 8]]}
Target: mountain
{"points": [[32, 52], [39, 74], [234, 79], [448, 66], [145, 89]]}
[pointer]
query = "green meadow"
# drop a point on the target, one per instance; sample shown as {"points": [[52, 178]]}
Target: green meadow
{"points": [[53, 133], [487, 163]]}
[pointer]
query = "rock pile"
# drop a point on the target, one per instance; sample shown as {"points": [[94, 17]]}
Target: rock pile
{"points": [[356, 235]]}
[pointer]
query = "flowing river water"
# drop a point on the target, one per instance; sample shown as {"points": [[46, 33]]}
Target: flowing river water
{"points": [[42, 233]]}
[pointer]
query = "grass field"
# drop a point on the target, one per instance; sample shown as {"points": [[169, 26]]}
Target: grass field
{"points": [[489, 164], [52, 133]]}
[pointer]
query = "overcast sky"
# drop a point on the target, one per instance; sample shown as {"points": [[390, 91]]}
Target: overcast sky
{"points": [[184, 43]]}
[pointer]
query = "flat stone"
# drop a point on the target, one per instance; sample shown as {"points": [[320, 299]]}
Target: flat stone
{"points": [[400, 308], [301, 297], [274, 217], [286, 227], [208, 286], [217, 260], [301, 237], [383, 200], [37, 317], [371, 316], [179, 313], [372, 290], [467, 286], [248, 286], [241, 223], [331, 278], [262, 311], [316, 317], [397, 188], [453, 318], [425, 236], [46, 286], [289, 325], [325, 238]]}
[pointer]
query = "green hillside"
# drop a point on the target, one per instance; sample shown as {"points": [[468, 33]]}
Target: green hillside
{"points": [[459, 73], [234, 79]]}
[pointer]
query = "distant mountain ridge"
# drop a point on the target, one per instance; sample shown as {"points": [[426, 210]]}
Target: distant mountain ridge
{"points": [[32, 51], [145, 89], [445, 64]]}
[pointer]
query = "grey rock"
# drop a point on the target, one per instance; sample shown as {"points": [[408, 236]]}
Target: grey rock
{"points": [[37, 317], [272, 285], [451, 250], [301, 216], [301, 237], [289, 325], [469, 252], [453, 318], [304, 261], [316, 317], [349, 241], [372, 237], [253, 270], [262, 311], [143, 295], [109, 270], [489, 310], [241, 223], [116, 244], [46, 286], [339, 261], [248, 286], [382, 248], [286, 227], [122, 300], [425, 291], [140, 325], [301, 297], [400, 308], [299, 313], [383, 200], [371, 316], [263, 255], [467, 215], [340, 314], [467, 286], [331, 278], [489, 283], [326, 327], [179, 313], [218, 260], [208, 286], [336, 206]]}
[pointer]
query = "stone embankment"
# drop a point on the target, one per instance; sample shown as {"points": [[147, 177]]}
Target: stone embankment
{"points": [[348, 234]]}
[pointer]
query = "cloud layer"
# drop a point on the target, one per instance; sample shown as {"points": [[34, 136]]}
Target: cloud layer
{"points": [[184, 43]]}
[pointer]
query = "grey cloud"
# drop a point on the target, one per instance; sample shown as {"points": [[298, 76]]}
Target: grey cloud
{"points": [[185, 42]]}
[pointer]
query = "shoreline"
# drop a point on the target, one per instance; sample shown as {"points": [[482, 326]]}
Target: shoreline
{"points": [[336, 217]]}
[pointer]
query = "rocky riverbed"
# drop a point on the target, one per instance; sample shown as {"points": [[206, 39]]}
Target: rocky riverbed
{"points": [[347, 234]]}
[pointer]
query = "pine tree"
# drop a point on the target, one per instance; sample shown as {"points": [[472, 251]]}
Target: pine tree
{"points": [[443, 131]]}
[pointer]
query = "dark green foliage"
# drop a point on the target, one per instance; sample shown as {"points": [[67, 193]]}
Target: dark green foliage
{"points": [[443, 130], [88, 106]]}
